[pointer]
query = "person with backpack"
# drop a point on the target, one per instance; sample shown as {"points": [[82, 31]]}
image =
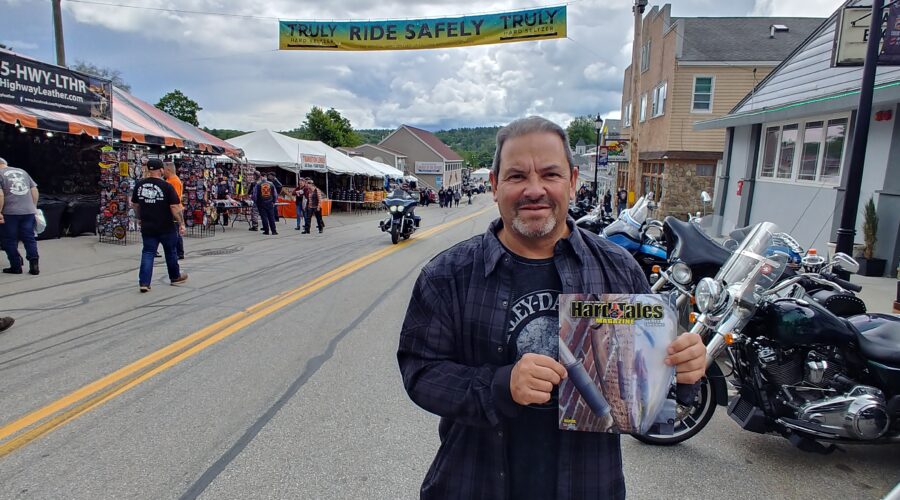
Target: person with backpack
{"points": [[265, 197]]}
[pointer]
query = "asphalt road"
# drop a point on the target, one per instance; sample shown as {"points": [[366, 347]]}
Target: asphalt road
{"points": [[299, 397]]}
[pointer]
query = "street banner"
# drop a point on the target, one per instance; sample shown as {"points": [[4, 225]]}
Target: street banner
{"points": [[516, 26], [603, 159], [313, 162], [890, 46], [430, 167], [32, 84]]}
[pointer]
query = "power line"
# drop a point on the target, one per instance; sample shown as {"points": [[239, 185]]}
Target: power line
{"points": [[177, 11]]}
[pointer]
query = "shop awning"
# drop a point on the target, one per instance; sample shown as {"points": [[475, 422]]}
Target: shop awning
{"points": [[133, 121], [384, 168]]}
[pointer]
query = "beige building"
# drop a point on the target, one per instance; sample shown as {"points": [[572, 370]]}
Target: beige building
{"points": [[427, 158], [695, 69]]}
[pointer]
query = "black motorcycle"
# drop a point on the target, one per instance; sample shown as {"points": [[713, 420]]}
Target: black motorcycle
{"points": [[402, 221], [801, 370]]}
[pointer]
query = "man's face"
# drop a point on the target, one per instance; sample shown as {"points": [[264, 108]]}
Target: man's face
{"points": [[534, 184]]}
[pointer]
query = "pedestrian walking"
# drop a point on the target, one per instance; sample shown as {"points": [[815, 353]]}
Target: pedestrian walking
{"points": [[157, 206], [456, 197], [441, 198], [266, 197], [223, 192], [278, 185], [313, 207], [300, 202], [18, 206], [493, 381], [171, 176]]}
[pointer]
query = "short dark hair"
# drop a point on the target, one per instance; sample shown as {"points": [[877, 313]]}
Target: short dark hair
{"points": [[530, 125]]}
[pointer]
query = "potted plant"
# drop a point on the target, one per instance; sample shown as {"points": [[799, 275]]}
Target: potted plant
{"points": [[869, 265]]}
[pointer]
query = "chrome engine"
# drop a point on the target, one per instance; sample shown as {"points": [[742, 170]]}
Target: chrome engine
{"points": [[858, 414], [814, 388]]}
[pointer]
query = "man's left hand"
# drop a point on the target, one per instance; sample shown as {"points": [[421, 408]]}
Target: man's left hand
{"points": [[688, 355]]}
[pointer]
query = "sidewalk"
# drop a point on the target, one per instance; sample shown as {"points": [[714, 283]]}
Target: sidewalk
{"points": [[878, 293]]}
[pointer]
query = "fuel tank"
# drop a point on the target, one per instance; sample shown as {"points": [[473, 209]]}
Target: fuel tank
{"points": [[793, 322]]}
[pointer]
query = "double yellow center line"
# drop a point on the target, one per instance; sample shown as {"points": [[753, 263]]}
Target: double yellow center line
{"points": [[26, 429]]}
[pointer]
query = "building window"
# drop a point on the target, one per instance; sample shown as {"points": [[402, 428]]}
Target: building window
{"points": [[659, 100], [645, 57], [643, 110], [703, 94], [809, 151], [706, 170], [626, 114], [652, 179]]}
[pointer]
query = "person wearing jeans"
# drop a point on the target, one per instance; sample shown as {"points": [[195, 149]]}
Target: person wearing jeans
{"points": [[300, 203], [313, 207], [157, 205], [18, 206]]}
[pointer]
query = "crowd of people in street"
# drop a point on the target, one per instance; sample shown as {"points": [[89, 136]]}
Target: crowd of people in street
{"points": [[621, 197]]}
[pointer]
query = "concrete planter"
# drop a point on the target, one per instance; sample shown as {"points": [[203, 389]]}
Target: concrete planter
{"points": [[871, 267]]}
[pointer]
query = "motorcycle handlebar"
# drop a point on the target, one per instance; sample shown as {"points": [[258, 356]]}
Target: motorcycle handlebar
{"points": [[841, 282]]}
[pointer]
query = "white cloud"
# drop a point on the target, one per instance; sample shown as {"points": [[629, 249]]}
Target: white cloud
{"points": [[806, 8]]}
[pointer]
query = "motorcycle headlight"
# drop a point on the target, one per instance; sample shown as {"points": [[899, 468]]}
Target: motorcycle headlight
{"points": [[394, 208], [708, 295], [681, 273]]}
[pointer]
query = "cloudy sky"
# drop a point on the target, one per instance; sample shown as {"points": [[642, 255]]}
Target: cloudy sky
{"points": [[230, 65]]}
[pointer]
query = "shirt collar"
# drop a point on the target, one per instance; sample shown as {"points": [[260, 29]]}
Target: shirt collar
{"points": [[494, 251]]}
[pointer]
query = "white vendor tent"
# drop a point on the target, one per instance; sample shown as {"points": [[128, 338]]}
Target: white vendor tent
{"points": [[482, 174], [267, 148], [384, 168]]}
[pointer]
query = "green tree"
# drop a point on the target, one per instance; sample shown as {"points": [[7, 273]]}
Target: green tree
{"points": [[180, 106], [224, 133], [328, 127], [106, 73], [582, 128]]}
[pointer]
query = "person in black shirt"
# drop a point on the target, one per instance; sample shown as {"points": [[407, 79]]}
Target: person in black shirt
{"points": [[223, 191], [157, 206], [265, 198]]}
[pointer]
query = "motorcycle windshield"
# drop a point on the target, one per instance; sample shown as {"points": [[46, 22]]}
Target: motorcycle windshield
{"points": [[752, 269], [630, 221]]}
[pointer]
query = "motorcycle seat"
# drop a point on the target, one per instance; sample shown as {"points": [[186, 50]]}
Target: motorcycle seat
{"points": [[691, 245], [878, 336]]}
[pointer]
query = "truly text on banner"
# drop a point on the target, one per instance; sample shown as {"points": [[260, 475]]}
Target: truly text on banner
{"points": [[518, 26]]}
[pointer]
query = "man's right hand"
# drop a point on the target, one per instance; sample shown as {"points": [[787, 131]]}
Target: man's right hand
{"points": [[533, 378]]}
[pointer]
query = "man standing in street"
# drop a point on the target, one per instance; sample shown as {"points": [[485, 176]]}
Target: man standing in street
{"points": [[172, 178], [313, 207], [157, 206], [494, 381], [266, 196], [223, 192], [278, 185], [18, 206], [300, 202]]}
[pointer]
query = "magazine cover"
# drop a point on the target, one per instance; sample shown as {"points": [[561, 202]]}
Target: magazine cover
{"points": [[614, 347]]}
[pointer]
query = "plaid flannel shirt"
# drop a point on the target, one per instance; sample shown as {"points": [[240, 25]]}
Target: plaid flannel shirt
{"points": [[454, 363]]}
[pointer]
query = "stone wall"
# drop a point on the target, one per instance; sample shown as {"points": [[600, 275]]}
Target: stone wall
{"points": [[681, 189]]}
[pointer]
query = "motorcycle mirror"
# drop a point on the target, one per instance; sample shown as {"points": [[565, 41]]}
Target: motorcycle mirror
{"points": [[705, 197], [730, 244], [845, 262]]}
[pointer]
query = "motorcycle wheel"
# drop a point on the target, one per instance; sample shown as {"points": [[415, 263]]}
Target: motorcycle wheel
{"points": [[692, 422], [395, 235]]}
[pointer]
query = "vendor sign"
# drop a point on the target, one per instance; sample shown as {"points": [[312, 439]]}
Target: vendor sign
{"points": [[32, 84], [430, 167], [517, 26], [618, 151], [313, 162]]}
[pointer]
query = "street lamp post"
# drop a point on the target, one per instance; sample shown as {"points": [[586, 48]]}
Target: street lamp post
{"points": [[598, 124]]}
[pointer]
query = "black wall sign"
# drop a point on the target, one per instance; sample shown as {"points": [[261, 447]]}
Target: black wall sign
{"points": [[32, 84]]}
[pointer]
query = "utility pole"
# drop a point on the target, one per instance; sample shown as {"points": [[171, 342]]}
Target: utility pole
{"points": [[58, 33], [847, 231], [633, 162]]}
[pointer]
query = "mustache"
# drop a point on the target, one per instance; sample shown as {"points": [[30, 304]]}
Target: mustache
{"points": [[542, 200]]}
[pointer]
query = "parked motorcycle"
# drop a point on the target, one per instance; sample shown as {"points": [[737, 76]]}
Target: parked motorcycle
{"points": [[643, 238], [801, 370], [401, 221]]}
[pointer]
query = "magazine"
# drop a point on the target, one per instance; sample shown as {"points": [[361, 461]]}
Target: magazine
{"points": [[614, 347]]}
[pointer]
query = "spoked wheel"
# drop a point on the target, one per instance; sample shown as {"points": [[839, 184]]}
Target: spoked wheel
{"points": [[395, 235], [689, 419]]}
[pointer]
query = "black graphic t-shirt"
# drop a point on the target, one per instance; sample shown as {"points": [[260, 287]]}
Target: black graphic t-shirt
{"points": [[533, 326], [155, 197]]}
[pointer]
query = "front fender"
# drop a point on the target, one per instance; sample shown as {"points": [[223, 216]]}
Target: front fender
{"points": [[720, 387]]}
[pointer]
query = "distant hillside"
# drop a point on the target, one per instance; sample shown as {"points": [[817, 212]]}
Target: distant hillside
{"points": [[374, 135], [223, 133]]}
